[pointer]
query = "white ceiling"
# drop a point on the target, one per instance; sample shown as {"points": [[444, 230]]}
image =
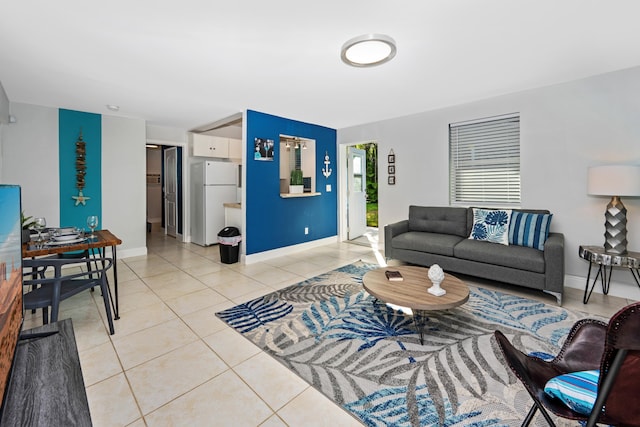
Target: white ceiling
{"points": [[190, 62]]}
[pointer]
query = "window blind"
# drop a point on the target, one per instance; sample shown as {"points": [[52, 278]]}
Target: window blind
{"points": [[484, 162]]}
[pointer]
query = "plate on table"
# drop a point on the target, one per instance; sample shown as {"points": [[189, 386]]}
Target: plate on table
{"points": [[65, 237], [77, 239]]}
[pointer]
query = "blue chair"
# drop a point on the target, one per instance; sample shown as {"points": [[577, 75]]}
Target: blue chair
{"points": [[46, 291]]}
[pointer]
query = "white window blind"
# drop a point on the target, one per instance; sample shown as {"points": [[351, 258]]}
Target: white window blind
{"points": [[484, 162]]}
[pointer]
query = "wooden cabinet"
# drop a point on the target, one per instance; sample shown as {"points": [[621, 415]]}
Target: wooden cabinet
{"points": [[215, 146], [209, 146], [235, 148]]}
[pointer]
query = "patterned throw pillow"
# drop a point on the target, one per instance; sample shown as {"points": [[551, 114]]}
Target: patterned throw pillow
{"points": [[577, 390], [491, 225], [529, 229]]}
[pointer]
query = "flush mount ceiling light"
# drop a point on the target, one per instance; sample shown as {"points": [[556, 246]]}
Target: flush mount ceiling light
{"points": [[113, 107], [368, 50]]}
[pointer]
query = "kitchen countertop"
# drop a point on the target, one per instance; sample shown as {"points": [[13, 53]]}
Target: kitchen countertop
{"points": [[234, 205]]}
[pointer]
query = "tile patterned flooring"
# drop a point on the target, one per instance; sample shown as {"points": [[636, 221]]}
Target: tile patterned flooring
{"points": [[171, 362]]}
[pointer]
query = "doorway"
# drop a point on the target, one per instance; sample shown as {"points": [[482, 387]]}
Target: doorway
{"points": [[170, 190], [165, 189], [362, 194]]}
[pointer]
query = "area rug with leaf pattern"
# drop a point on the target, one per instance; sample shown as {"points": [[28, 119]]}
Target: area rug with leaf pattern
{"points": [[368, 359]]}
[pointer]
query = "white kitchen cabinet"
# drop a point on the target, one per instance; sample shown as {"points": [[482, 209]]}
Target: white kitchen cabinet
{"points": [[235, 148], [210, 146]]}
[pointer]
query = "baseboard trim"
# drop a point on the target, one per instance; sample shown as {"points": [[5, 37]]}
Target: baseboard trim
{"points": [[287, 250], [129, 253], [616, 289]]}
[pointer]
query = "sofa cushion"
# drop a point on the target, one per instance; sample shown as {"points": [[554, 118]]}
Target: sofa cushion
{"points": [[434, 243], [443, 220], [529, 229], [470, 214], [491, 225], [519, 257]]}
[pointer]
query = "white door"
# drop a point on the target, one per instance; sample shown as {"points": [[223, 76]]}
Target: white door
{"points": [[356, 193], [170, 190]]}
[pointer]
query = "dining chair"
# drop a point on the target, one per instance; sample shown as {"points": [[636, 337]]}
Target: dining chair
{"points": [[44, 290], [612, 350]]}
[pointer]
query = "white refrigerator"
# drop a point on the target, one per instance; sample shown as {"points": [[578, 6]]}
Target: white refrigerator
{"points": [[212, 184]]}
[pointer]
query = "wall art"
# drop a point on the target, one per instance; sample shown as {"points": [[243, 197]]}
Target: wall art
{"points": [[326, 170], [81, 170], [263, 149]]}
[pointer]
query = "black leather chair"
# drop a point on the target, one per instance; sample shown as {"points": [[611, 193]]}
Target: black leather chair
{"points": [[46, 290], [613, 348]]}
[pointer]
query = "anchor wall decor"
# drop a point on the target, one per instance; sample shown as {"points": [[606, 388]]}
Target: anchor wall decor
{"points": [[326, 170]]}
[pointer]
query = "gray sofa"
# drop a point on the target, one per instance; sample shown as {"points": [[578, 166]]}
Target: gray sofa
{"points": [[439, 235]]}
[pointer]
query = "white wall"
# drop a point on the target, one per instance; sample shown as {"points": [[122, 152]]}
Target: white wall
{"points": [[124, 182], [564, 129], [4, 119], [165, 133], [30, 159], [4, 106]]}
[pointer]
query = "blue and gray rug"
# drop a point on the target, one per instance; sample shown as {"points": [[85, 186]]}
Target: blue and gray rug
{"points": [[367, 357]]}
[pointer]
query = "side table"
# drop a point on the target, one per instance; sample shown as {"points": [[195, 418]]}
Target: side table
{"points": [[597, 255]]}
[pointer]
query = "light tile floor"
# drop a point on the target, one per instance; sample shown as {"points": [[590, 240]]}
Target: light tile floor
{"points": [[171, 362], [369, 238]]}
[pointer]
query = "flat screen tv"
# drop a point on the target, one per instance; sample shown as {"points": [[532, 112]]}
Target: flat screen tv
{"points": [[11, 313]]}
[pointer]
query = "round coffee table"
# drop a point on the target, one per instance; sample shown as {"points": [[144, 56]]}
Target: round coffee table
{"points": [[412, 293]]}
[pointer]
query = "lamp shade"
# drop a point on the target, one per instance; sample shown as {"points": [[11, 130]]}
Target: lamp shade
{"points": [[614, 180]]}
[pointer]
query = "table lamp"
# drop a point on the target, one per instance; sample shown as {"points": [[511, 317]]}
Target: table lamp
{"points": [[614, 181]]}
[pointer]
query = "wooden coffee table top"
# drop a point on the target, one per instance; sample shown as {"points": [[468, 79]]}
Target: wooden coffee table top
{"points": [[412, 291]]}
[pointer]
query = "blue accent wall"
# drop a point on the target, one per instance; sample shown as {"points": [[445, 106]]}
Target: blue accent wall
{"points": [[272, 221], [69, 125]]}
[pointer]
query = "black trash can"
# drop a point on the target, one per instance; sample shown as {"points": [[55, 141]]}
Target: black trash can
{"points": [[229, 239]]}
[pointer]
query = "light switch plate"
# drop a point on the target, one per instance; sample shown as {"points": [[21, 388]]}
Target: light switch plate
{"points": [[328, 188]]}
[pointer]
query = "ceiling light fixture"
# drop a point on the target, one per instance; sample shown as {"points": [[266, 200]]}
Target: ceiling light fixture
{"points": [[152, 146], [113, 107], [368, 50]]}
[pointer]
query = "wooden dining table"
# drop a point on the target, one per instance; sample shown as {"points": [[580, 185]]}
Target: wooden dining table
{"points": [[102, 240]]}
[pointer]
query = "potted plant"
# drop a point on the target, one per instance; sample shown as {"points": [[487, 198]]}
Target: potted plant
{"points": [[27, 223], [296, 184]]}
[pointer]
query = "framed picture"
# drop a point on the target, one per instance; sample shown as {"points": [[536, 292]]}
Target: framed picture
{"points": [[391, 180], [391, 169], [392, 158], [263, 149]]}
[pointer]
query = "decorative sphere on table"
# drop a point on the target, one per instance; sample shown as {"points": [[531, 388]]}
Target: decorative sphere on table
{"points": [[436, 275]]}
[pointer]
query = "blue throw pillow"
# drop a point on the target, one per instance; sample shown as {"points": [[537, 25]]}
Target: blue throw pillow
{"points": [[577, 390], [529, 229], [491, 225]]}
